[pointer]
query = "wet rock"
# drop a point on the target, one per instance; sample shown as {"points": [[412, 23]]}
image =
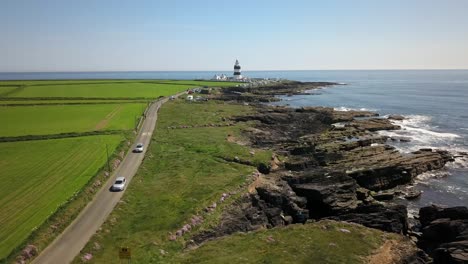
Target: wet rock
{"points": [[300, 163], [326, 193], [362, 193], [384, 196], [396, 117], [444, 230], [453, 252], [430, 213], [412, 194], [390, 218], [445, 233], [385, 168], [373, 124], [280, 195]]}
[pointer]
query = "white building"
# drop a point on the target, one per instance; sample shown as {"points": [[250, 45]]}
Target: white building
{"points": [[221, 77]]}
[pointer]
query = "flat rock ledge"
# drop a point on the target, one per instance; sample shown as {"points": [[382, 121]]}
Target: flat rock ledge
{"points": [[444, 233]]}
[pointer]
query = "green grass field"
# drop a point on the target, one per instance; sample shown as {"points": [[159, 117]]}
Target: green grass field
{"points": [[182, 173], [59, 101], [101, 89], [104, 90], [6, 89], [320, 242], [42, 120], [39, 176], [59, 82]]}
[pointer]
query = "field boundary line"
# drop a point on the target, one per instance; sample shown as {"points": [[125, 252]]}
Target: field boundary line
{"points": [[78, 98], [105, 121], [18, 88], [57, 136], [73, 103]]}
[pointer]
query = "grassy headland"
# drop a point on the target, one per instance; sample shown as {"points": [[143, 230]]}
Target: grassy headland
{"points": [[321, 242], [184, 171], [188, 167]]}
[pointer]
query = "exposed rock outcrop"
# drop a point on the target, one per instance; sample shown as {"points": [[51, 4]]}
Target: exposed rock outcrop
{"points": [[445, 233], [333, 166]]}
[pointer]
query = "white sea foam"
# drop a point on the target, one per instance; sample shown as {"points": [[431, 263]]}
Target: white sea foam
{"points": [[461, 162], [412, 212], [347, 109], [438, 174], [417, 129]]}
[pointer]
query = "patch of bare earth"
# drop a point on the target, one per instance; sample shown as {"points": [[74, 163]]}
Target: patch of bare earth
{"points": [[394, 251], [233, 139], [104, 122]]}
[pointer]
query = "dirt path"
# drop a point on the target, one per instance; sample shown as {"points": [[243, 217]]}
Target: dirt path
{"points": [[68, 245], [103, 123]]}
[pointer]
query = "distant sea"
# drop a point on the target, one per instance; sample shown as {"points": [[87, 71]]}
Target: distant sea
{"points": [[435, 103]]}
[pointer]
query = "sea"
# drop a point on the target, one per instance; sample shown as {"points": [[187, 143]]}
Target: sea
{"points": [[434, 102]]}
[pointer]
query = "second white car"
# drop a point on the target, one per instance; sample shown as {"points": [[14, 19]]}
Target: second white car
{"points": [[119, 184], [139, 148]]}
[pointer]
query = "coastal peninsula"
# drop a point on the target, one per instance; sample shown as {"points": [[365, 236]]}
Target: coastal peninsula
{"points": [[330, 164]]}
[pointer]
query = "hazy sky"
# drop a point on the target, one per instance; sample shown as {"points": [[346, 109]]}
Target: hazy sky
{"points": [[98, 35]]}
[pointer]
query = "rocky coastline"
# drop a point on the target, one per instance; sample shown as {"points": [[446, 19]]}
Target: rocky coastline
{"points": [[333, 165]]}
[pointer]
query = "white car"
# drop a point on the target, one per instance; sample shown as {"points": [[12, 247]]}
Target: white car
{"points": [[138, 148], [119, 184]]}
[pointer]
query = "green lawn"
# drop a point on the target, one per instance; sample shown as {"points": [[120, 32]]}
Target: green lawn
{"points": [[182, 173], [321, 242], [6, 89], [55, 102], [55, 119], [38, 176], [58, 82], [67, 82], [100, 90]]}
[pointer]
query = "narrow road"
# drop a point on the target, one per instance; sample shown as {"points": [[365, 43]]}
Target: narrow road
{"points": [[68, 245]]}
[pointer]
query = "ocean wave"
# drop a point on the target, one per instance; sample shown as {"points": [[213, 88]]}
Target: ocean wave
{"points": [[347, 109], [460, 162], [421, 134], [438, 174]]}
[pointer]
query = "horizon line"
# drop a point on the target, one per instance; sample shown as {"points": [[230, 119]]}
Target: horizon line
{"points": [[109, 71]]}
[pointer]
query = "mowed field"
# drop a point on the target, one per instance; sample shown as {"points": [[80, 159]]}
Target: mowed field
{"points": [[5, 90], [55, 119], [24, 101], [38, 176], [136, 89]]}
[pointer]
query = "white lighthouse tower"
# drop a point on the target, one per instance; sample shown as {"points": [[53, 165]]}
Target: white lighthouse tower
{"points": [[237, 71]]}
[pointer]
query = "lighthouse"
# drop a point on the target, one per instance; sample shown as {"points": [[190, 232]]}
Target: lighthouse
{"points": [[237, 71]]}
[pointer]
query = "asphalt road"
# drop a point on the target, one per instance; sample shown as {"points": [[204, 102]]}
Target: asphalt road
{"points": [[68, 245]]}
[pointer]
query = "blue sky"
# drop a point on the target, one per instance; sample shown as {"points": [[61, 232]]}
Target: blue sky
{"points": [[91, 35]]}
